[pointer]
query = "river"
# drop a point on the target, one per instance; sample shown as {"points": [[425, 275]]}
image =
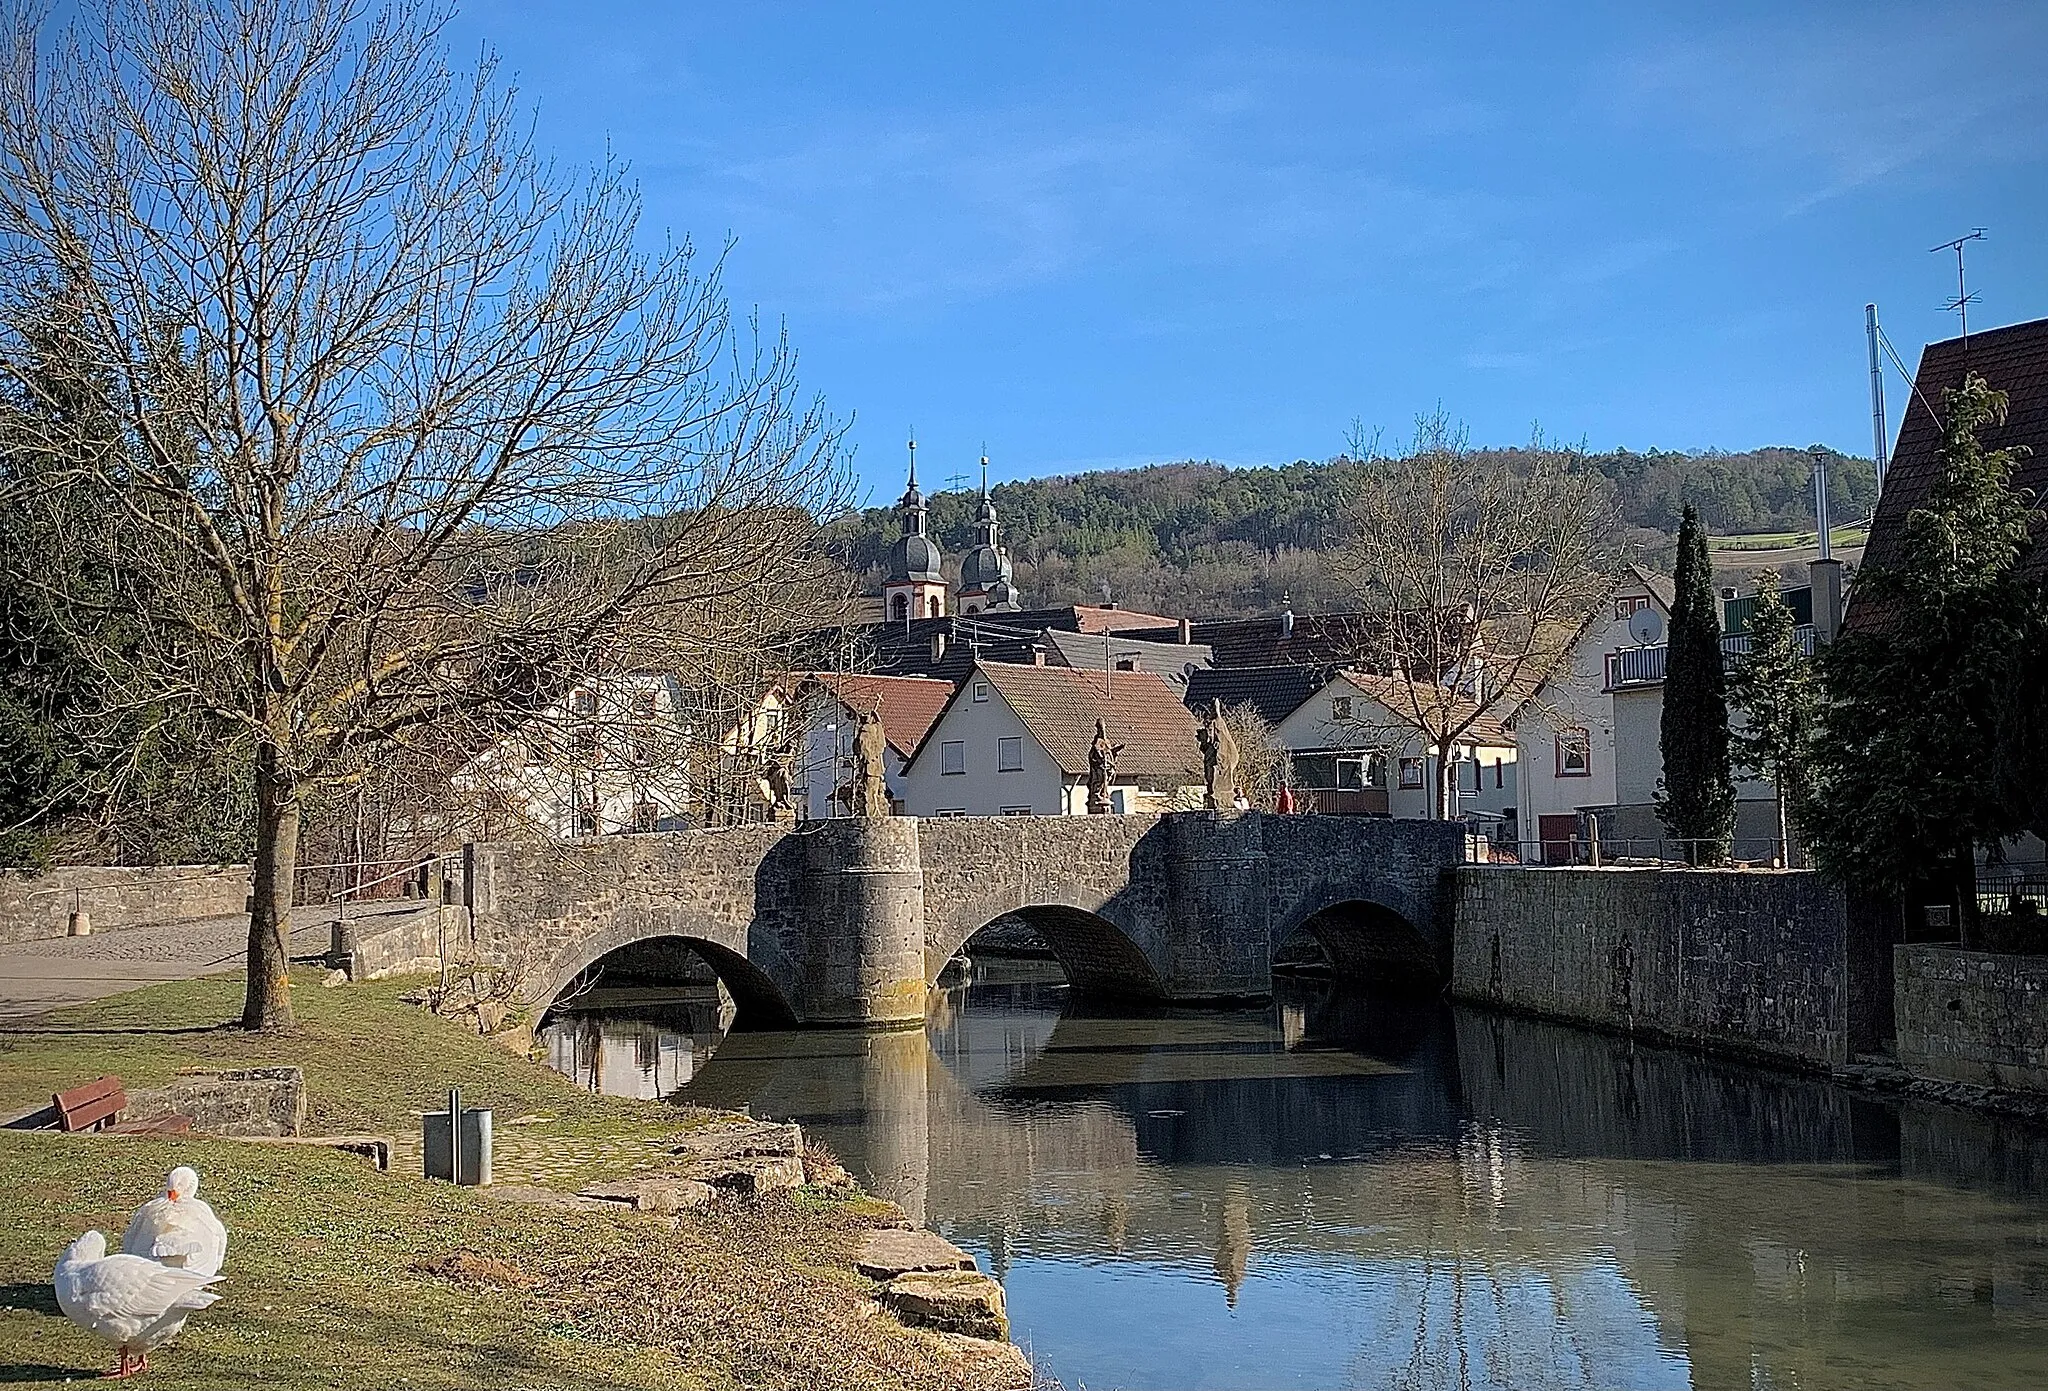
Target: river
{"points": [[1338, 1190]]}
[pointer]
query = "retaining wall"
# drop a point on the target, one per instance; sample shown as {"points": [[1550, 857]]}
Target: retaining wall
{"points": [[1753, 960], [1973, 1016], [35, 906]]}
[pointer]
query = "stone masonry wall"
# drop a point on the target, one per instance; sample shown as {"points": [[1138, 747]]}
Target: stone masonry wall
{"points": [[1972, 1016], [1750, 960], [35, 906]]}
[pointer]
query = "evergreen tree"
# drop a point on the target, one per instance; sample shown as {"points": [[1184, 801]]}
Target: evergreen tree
{"points": [[1773, 687], [1907, 761], [1696, 798]]}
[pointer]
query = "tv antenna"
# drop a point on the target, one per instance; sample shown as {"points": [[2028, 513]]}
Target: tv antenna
{"points": [[1960, 305]]}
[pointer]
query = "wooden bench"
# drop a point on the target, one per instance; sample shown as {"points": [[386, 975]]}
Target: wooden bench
{"points": [[97, 1106]]}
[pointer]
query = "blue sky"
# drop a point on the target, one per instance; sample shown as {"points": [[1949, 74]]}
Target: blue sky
{"points": [[1102, 235]]}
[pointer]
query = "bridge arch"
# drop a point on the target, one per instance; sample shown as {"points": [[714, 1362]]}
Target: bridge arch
{"points": [[1098, 955], [1366, 940], [759, 1003]]}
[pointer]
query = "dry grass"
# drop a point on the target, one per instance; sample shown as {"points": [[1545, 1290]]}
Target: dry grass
{"points": [[342, 1277]]}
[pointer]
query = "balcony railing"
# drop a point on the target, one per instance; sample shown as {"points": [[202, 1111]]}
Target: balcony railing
{"points": [[1644, 666]]}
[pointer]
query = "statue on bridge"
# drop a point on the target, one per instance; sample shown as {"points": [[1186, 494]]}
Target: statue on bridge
{"points": [[1219, 759], [1101, 770], [870, 774]]}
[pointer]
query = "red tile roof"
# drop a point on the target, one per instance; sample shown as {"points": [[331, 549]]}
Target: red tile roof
{"points": [[2013, 359], [1060, 705], [908, 704]]}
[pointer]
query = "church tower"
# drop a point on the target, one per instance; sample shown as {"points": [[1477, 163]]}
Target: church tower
{"points": [[913, 587], [985, 585]]}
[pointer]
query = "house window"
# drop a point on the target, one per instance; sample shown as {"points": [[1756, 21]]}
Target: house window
{"points": [[583, 741], [1016, 811], [586, 821], [950, 812], [1411, 772], [1574, 754], [953, 756], [582, 703], [1629, 604], [646, 816], [1010, 755], [981, 690], [899, 608], [932, 606], [1340, 707]]}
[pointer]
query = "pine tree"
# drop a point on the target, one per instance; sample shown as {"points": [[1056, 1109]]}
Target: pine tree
{"points": [[1696, 799], [1773, 687], [1907, 758]]}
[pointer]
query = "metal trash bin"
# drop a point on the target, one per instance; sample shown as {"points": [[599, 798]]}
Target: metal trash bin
{"points": [[467, 1162]]}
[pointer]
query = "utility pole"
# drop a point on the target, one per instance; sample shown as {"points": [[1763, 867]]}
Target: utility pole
{"points": [[1878, 434]]}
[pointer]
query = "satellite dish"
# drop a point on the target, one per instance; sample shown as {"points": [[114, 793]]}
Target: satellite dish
{"points": [[1646, 626]]}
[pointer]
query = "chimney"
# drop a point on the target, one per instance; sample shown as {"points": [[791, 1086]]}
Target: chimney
{"points": [[938, 645], [1185, 631], [1038, 656], [1287, 623], [1826, 576]]}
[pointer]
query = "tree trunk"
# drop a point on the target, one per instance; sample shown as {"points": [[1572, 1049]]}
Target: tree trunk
{"points": [[267, 1003], [1445, 795], [1963, 882]]}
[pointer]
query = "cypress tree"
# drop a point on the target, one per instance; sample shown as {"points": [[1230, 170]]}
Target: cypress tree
{"points": [[1696, 798]]}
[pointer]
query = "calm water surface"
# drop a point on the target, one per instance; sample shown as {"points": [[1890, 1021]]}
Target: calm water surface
{"points": [[1339, 1191]]}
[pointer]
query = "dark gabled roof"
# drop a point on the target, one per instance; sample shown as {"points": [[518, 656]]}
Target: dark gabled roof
{"points": [[1060, 706], [1085, 651], [1275, 692], [2013, 359], [1312, 639]]}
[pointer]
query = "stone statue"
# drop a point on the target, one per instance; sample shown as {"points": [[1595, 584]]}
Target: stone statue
{"points": [[1101, 770], [1219, 759], [775, 789], [870, 777]]}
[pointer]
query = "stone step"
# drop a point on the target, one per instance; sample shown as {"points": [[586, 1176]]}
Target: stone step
{"points": [[892, 1251]]}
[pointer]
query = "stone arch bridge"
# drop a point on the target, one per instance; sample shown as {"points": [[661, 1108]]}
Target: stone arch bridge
{"points": [[849, 922]]}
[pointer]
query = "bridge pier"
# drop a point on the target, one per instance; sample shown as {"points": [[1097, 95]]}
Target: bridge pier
{"points": [[862, 960], [1218, 946]]}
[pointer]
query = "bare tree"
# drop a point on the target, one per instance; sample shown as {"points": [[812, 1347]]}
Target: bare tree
{"points": [[1485, 569], [413, 430]]}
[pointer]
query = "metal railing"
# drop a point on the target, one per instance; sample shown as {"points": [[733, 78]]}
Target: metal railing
{"points": [[1644, 666], [1663, 852]]}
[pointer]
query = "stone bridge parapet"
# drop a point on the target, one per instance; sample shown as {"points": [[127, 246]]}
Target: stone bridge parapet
{"points": [[848, 922]]}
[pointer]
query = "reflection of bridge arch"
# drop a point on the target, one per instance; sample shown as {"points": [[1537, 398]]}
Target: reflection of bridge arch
{"points": [[760, 1004], [1099, 957], [1366, 940]]}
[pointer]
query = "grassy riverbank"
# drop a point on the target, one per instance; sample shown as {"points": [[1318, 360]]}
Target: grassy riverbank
{"points": [[343, 1277]]}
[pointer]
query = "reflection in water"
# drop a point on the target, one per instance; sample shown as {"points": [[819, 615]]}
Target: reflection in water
{"points": [[1345, 1191], [646, 1045]]}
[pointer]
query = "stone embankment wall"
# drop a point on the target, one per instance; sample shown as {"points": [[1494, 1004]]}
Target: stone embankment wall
{"points": [[35, 906], [1756, 961], [1973, 1016]]}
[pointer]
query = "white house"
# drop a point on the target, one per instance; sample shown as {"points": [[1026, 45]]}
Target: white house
{"points": [[826, 706], [608, 755], [1013, 741], [1590, 738], [1351, 749], [1566, 733]]}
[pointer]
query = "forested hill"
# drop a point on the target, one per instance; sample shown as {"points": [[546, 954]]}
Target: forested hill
{"points": [[1204, 539]]}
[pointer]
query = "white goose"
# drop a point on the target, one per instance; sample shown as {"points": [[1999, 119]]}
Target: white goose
{"points": [[131, 1301], [178, 1229]]}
